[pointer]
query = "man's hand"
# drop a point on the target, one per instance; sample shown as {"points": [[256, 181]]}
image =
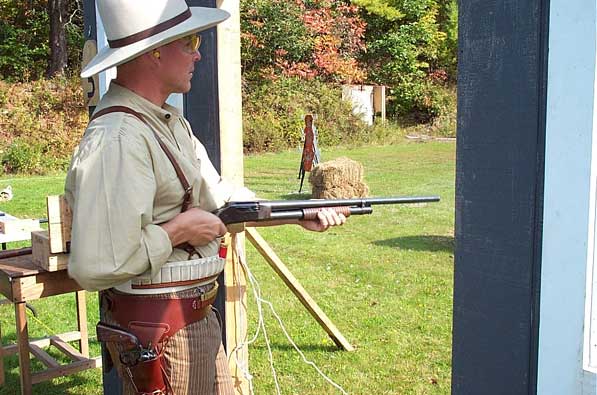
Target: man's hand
{"points": [[194, 226], [325, 218]]}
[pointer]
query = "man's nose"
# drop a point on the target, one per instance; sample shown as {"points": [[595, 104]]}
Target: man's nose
{"points": [[197, 56]]}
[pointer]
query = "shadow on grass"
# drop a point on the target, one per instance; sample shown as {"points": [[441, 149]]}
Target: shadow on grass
{"points": [[295, 196], [70, 384], [420, 243]]}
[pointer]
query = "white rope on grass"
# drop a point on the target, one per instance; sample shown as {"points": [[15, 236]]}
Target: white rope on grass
{"points": [[261, 326]]}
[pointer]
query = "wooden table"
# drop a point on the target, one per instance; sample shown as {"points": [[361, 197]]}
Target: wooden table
{"points": [[21, 281]]}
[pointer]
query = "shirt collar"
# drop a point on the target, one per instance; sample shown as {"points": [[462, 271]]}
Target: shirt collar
{"points": [[166, 113]]}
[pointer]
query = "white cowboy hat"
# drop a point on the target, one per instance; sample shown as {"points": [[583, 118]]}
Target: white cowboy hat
{"points": [[134, 27]]}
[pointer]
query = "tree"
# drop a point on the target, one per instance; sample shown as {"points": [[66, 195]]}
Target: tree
{"points": [[57, 12], [405, 46]]}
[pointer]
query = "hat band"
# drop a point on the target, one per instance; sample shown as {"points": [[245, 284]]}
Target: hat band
{"points": [[152, 31]]}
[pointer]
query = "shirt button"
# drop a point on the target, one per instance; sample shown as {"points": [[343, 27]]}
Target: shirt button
{"points": [[168, 116]]}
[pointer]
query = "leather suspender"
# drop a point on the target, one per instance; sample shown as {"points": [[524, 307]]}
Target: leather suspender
{"points": [[188, 189]]}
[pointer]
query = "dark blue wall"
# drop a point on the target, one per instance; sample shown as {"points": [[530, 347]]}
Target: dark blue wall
{"points": [[201, 108], [499, 195], [201, 105]]}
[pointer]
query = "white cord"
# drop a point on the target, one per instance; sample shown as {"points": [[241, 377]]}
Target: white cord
{"points": [[261, 326]]}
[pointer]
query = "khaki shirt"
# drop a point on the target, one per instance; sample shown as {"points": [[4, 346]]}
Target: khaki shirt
{"points": [[121, 185]]}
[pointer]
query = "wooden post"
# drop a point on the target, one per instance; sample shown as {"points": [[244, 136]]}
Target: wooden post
{"points": [[1, 360], [23, 346], [82, 323], [231, 168]]}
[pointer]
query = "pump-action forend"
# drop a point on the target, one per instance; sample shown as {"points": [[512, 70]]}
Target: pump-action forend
{"points": [[269, 210]]}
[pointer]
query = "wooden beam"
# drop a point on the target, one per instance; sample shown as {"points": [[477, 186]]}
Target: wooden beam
{"points": [[291, 282], [23, 347], [231, 169], [1, 360], [12, 349], [236, 316], [64, 370], [43, 356], [66, 348], [82, 323]]}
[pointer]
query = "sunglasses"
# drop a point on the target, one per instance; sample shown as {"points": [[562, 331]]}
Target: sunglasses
{"points": [[192, 43]]}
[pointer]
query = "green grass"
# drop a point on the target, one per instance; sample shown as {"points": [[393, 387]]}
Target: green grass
{"points": [[385, 280]]}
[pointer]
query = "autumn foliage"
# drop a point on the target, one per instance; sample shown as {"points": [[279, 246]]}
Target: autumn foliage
{"points": [[306, 39]]}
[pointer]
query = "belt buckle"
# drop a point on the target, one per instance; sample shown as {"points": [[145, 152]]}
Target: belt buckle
{"points": [[205, 296]]}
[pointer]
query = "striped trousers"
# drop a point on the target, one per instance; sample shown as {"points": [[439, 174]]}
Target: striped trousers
{"points": [[196, 363]]}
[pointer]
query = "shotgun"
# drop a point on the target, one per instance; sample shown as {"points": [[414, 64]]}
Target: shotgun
{"points": [[268, 210]]}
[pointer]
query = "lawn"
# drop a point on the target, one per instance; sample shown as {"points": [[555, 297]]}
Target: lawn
{"points": [[385, 280]]}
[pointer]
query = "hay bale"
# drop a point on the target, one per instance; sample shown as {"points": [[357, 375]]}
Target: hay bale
{"points": [[340, 178]]}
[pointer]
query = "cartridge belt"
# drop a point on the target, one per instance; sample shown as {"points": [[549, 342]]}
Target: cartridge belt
{"points": [[153, 320], [175, 274]]}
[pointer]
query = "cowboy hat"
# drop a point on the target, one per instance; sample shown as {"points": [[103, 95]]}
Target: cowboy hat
{"points": [[134, 27]]}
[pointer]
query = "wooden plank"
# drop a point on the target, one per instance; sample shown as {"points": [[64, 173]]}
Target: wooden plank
{"points": [[66, 348], [236, 315], [59, 223], [18, 266], [23, 347], [40, 243], [64, 370], [18, 226], [2, 378], [291, 282], [82, 323], [12, 349], [43, 285], [43, 356]]}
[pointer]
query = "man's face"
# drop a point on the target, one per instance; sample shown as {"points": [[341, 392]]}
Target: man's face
{"points": [[178, 63]]}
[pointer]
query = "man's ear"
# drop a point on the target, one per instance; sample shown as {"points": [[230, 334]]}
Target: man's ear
{"points": [[153, 58]]}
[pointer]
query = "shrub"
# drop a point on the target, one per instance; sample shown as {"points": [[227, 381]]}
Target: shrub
{"points": [[22, 156], [407, 51], [274, 111], [40, 124], [444, 123]]}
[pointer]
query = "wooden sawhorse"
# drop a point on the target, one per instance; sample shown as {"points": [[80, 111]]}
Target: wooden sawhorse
{"points": [[22, 281]]}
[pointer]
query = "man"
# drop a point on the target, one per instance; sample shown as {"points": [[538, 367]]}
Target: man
{"points": [[142, 190]]}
